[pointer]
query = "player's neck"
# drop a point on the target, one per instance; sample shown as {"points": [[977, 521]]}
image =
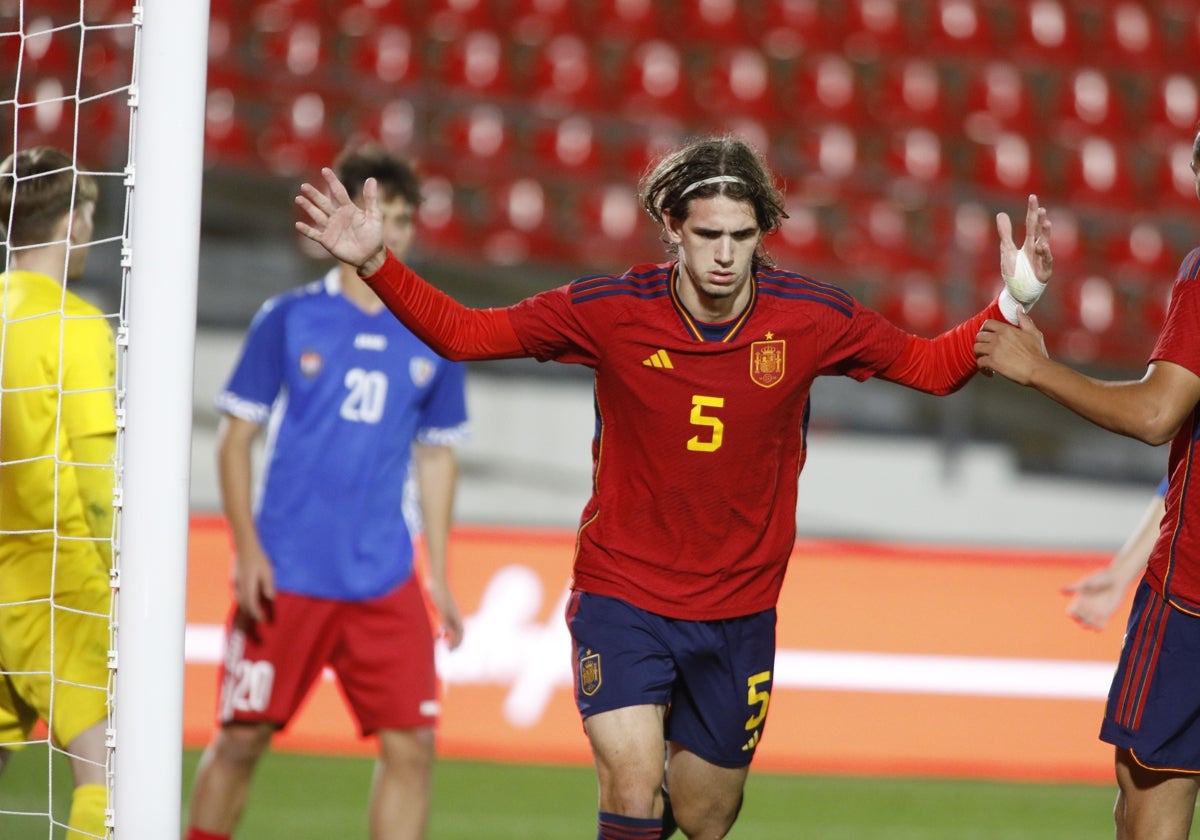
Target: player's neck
{"points": [[50, 260], [355, 290]]}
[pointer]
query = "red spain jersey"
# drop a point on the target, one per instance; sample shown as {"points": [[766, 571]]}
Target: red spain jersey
{"points": [[1174, 564], [700, 428], [700, 433]]}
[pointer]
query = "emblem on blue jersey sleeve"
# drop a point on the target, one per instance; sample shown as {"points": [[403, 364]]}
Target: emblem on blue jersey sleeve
{"points": [[589, 673], [421, 370], [766, 361], [311, 363]]}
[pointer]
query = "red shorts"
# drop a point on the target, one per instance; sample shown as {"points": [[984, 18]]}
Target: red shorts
{"points": [[381, 651]]}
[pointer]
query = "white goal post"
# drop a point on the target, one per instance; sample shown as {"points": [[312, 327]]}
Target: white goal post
{"points": [[156, 346]]}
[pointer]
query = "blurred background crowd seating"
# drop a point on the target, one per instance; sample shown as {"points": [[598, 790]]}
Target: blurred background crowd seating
{"points": [[899, 128]]}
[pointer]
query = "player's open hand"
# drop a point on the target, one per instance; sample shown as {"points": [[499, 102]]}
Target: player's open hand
{"points": [[1012, 352], [253, 583], [1025, 269], [1097, 597], [348, 232]]}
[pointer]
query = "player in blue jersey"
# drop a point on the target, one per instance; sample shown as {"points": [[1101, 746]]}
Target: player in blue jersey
{"points": [[323, 572]]}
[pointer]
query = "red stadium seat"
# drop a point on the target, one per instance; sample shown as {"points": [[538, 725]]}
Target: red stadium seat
{"points": [[1132, 35], [521, 228], [912, 94], [300, 139], [612, 225], [998, 99], [641, 146], [803, 243], [477, 141], [568, 146], [1173, 110], [628, 22], [440, 218], [958, 28], [1087, 105], [1047, 32], [228, 141], [916, 153], [537, 21], [446, 20], [291, 40], [1172, 186], [476, 63], [829, 156], [1007, 166], [393, 124], [736, 82], [565, 75], [1096, 173], [715, 22], [385, 56], [790, 27], [825, 87], [652, 81], [873, 29]]}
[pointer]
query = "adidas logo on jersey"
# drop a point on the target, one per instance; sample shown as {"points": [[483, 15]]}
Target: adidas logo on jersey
{"points": [[659, 360], [370, 341]]}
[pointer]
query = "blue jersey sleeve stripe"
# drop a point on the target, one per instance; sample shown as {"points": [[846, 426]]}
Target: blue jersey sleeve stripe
{"points": [[638, 293], [814, 297], [230, 403], [788, 279], [1190, 267]]}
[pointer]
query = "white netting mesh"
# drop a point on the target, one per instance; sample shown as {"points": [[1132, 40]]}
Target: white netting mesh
{"points": [[66, 72]]}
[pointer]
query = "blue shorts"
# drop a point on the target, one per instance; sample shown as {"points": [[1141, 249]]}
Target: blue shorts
{"points": [[714, 677], [1154, 703]]}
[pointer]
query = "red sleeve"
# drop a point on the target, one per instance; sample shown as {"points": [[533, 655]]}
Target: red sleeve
{"points": [[455, 331], [943, 364]]}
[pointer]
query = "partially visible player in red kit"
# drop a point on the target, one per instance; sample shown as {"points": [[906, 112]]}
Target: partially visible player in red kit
{"points": [[703, 366]]}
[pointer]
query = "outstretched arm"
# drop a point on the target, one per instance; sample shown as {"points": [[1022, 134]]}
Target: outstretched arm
{"points": [[1097, 596], [944, 364], [1150, 409], [354, 235]]}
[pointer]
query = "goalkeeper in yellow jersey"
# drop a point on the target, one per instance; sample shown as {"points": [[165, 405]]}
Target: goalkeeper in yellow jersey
{"points": [[57, 431]]}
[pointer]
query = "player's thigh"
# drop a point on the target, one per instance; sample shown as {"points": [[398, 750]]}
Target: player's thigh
{"points": [[703, 793], [384, 660], [622, 657], [1154, 701], [720, 701], [270, 666], [56, 654]]}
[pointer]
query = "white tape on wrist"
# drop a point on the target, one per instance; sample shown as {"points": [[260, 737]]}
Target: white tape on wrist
{"points": [[1024, 286], [1009, 306]]}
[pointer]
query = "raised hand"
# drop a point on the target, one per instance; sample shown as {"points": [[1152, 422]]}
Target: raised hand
{"points": [[348, 232], [1026, 269]]}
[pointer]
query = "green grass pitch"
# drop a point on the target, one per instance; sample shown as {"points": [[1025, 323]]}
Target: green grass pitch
{"points": [[306, 796]]}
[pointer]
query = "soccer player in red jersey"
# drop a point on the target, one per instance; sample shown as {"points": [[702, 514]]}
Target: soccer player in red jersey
{"points": [[703, 366], [1154, 703]]}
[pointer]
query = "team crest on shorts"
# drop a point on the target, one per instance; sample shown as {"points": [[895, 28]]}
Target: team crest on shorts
{"points": [[311, 363], [589, 674], [766, 361]]}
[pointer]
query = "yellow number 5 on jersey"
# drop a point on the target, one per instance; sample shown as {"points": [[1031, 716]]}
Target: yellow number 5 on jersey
{"points": [[699, 418]]}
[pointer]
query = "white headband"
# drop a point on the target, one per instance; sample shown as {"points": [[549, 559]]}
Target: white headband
{"points": [[716, 179]]}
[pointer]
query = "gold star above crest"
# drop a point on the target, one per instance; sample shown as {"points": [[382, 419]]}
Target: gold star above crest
{"points": [[770, 335]]}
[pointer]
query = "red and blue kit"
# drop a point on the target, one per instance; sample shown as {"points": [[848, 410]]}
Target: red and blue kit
{"points": [[700, 427], [1174, 566], [1155, 692]]}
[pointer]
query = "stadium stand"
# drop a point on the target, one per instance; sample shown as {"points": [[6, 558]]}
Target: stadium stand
{"points": [[512, 105]]}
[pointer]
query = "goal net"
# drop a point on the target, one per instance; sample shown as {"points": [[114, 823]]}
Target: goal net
{"points": [[117, 86]]}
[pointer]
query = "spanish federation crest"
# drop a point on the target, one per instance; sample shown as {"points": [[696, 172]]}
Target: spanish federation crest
{"points": [[589, 674], [766, 361]]}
